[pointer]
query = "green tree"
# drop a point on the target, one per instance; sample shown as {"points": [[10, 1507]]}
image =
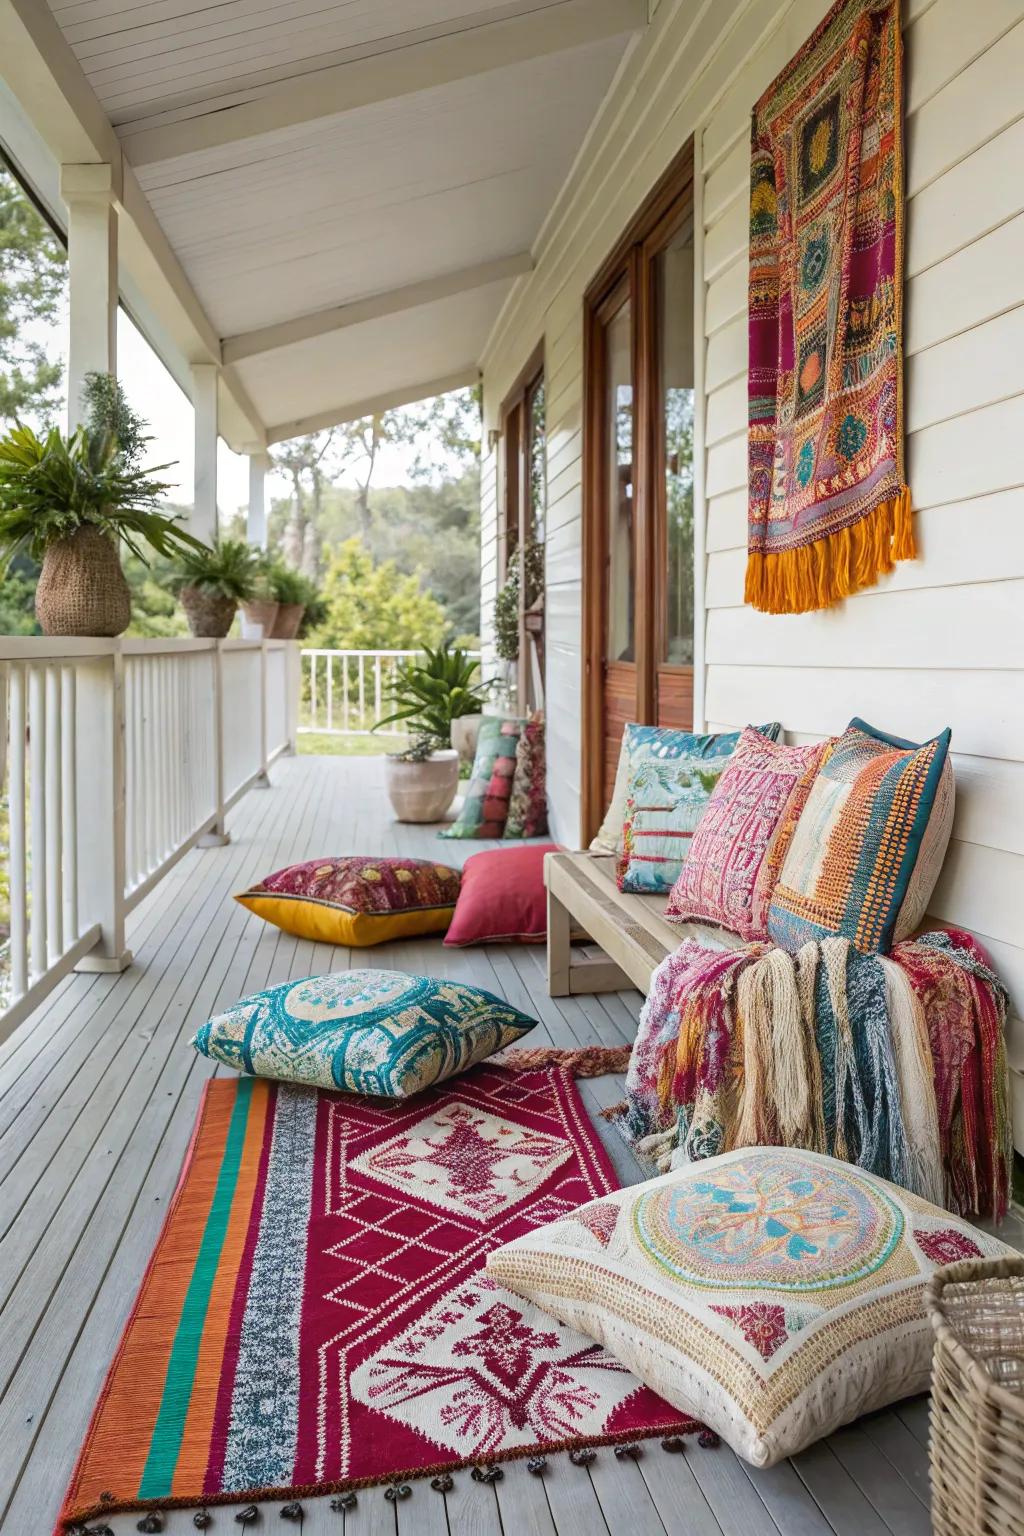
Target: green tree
{"points": [[372, 606], [305, 460], [33, 275]]}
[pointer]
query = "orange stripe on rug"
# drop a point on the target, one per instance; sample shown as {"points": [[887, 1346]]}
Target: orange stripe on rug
{"points": [[122, 1425], [190, 1471]]}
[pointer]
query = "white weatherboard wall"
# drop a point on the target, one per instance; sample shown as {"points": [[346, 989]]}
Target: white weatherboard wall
{"points": [[941, 641]]}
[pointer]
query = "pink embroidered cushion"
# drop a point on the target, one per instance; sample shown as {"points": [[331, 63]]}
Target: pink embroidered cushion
{"points": [[741, 840]]}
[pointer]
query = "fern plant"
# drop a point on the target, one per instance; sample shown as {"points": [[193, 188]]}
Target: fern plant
{"points": [[429, 695], [54, 485], [228, 569]]}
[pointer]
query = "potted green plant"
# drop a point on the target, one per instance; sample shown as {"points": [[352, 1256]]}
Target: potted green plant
{"points": [[259, 609], [422, 780], [440, 697], [71, 501], [212, 582], [294, 593]]}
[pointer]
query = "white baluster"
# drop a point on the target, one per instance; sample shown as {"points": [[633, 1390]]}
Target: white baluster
{"points": [[376, 689], [16, 821], [330, 694], [69, 800], [362, 694], [344, 682], [312, 691], [37, 817], [53, 802]]}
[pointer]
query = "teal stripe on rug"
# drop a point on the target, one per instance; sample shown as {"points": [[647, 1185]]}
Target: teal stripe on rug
{"points": [[165, 1445]]}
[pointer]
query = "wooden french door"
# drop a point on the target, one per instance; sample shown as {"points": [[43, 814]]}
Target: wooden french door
{"points": [[638, 484], [522, 523]]}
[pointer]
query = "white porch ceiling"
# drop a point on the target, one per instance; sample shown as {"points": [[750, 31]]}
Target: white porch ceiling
{"points": [[301, 156]]}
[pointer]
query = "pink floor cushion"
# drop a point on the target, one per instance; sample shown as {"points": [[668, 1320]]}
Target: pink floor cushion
{"points": [[502, 900], [740, 842]]}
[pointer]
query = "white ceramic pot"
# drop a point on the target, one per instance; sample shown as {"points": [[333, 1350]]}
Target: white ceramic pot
{"points": [[465, 730], [423, 791]]}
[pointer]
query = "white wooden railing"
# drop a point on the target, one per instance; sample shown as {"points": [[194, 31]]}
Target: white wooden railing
{"points": [[344, 693], [116, 758]]}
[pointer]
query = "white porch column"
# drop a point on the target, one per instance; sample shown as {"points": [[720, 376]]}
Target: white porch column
{"points": [[204, 401], [88, 191], [256, 522]]}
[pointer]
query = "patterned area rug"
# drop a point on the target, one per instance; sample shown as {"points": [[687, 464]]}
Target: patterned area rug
{"points": [[315, 1317]]}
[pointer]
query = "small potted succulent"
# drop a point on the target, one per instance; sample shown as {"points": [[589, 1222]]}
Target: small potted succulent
{"points": [[71, 501], [211, 583], [294, 594], [441, 697], [422, 780]]}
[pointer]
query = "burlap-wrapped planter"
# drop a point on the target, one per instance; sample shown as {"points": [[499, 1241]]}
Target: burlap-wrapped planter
{"points": [[289, 618], [210, 614], [261, 611], [81, 588]]}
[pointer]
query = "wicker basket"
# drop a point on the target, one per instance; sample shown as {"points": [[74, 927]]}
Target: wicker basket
{"points": [[977, 1421], [82, 589]]}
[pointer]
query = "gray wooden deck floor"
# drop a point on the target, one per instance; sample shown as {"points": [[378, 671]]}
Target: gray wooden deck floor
{"points": [[98, 1094]]}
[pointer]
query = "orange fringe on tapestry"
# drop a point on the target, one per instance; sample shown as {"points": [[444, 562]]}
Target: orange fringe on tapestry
{"points": [[816, 575]]}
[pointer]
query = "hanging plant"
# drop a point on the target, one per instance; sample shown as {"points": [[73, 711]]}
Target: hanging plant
{"points": [[506, 604]]}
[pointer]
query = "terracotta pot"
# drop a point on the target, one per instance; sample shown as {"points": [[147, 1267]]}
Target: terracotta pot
{"points": [[289, 617], [465, 730], [423, 791], [210, 614], [259, 614], [81, 588]]}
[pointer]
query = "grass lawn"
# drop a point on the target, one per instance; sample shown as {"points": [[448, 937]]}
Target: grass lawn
{"points": [[319, 744]]}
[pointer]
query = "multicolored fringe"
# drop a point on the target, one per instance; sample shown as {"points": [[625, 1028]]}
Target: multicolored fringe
{"points": [[896, 1064]]}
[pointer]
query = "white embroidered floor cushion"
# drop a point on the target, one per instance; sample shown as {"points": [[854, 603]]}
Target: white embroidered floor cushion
{"points": [[772, 1294]]}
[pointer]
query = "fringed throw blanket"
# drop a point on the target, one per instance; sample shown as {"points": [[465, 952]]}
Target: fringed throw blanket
{"points": [[828, 506], [894, 1063]]}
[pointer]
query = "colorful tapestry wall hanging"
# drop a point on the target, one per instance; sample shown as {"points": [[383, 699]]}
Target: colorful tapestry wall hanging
{"points": [[316, 1318], [829, 508]]}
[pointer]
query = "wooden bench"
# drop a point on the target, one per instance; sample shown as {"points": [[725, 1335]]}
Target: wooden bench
{"points": [[630, 930]]}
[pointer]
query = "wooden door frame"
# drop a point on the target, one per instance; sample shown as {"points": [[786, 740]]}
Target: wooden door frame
{"points": [[514, 491], [629, 264]]}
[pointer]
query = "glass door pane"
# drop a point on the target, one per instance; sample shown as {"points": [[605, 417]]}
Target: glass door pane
{"points": [[619, 484], [537, 454], [674, 464]]}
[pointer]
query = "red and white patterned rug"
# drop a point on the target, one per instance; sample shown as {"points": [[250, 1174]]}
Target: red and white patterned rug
{"points": [[431, 1364], [316, 1317]]}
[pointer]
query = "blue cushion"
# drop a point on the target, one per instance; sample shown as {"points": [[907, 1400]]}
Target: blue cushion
{"points": [[373, 1032]]}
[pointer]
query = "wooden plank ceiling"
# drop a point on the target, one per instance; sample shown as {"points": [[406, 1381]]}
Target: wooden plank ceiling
{"points": [[304, 156]]}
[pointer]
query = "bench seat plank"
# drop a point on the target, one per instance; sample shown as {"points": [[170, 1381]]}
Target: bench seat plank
{"points": [[631, 930]]}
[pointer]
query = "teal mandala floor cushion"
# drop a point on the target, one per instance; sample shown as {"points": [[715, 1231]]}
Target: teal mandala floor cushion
{"points": [[660, 744], [371, 1032], [485, 807], [868, 848], [772, 1294]]}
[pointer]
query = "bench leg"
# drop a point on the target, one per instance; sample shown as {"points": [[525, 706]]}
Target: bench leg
{"points": [[559, 947]]}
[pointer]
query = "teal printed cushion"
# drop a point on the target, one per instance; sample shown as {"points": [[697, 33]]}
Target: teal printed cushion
{"points": [[646, 743], [869, 844], [485, 807], [372, 1032], [664, 803]]}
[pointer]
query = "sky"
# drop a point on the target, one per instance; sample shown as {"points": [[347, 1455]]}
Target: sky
{"points": [[154, 393]]}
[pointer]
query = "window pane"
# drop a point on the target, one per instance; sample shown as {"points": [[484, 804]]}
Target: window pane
{"points": [[538, 461], [619, 470], [674, 287]]}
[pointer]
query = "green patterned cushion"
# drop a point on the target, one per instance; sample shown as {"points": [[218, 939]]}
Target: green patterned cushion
{"points": [[373, 1032], [485, 807]]}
